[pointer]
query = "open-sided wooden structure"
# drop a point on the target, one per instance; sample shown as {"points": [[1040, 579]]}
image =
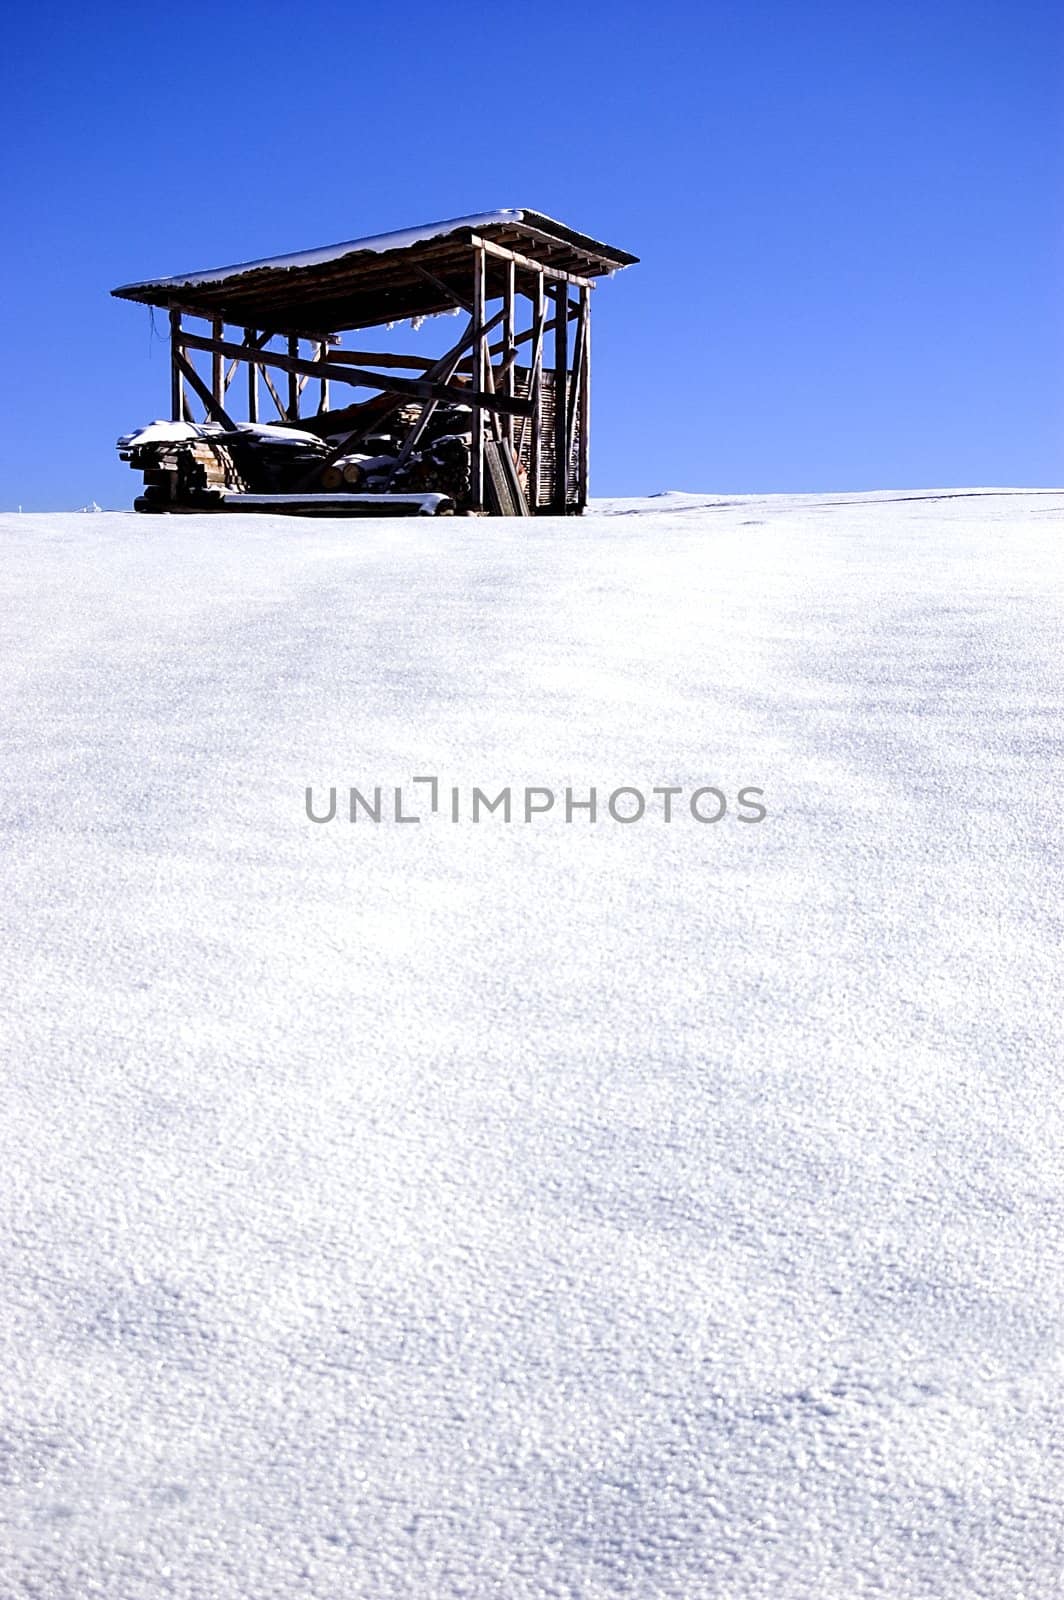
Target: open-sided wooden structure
{"points": [[515, 387]]}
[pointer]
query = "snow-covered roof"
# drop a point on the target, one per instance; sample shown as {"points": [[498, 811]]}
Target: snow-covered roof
{"points": [[379, 277]]}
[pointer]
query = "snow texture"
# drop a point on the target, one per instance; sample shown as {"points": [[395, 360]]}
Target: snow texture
{"points": [[378, 243], [180, 432], [570, 1210]]}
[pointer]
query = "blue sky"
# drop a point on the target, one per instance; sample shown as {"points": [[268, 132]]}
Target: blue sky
{"points": [[849, 216]]}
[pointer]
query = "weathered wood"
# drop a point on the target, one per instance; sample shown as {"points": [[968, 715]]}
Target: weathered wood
{"points": [[584, 456], [509, 348], [562, 246], [323, 393], [293, 381], [177, 393], [526, 263], [476, 463], [381, 358], [274, 396], [376, 413], [218, 363], [214, 409], [444, 288], [253, 380], [505, 494], [489, 388], [518, 340], [255, 344], [536, 395], [574, 387], [560, 495], [413, 438], [415, 388]]}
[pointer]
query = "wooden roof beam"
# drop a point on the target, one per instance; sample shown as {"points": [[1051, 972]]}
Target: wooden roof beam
{"points": [[526, 264]]}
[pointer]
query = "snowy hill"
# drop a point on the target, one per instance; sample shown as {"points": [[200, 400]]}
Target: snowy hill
{"points": [[549, 1208]]}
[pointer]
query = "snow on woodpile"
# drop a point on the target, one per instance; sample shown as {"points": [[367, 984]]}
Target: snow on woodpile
{"points": [[582, 1208]]}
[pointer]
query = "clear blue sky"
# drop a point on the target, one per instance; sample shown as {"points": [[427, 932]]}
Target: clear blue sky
{"points": [[849, 215]]}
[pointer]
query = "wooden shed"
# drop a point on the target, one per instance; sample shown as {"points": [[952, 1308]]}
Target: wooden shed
{"points": [[499, 422]]}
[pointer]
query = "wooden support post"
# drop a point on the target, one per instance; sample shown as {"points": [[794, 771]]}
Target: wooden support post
{"points": [[584, 380], [293, 382], [177, 393], [536, 395], [426, 388], [217, 363], [253, 379], [560, 496], [323, 395], [509, 348], [278, 404], [211, 406], [476, 483]]}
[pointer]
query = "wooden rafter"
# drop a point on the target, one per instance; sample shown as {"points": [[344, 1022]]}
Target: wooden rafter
{"points": [[526, 263]]}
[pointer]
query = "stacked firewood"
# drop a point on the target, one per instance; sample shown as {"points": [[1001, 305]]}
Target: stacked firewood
{"points": [[195, 464], [189, 464], [383, 461]]}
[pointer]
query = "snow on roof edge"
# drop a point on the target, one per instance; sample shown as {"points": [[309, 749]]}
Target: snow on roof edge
{"points": [[379, 243], [400, 239]]}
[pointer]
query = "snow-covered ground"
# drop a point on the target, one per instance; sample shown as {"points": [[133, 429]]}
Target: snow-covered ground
{"points": [[556, 1209]]}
